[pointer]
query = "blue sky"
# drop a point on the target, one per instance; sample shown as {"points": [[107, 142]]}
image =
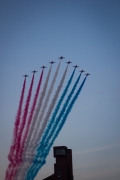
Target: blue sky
{"points": [[86, 32]]}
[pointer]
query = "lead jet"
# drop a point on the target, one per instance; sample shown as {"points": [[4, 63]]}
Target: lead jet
{"points": [[75, 66], [61, 57], [82, 71], [25, 75], [43, 67], [34, 71], [69, 62], [51, 62], [87, 74]]}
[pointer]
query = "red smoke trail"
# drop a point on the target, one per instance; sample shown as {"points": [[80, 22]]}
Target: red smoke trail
{"points": [[17, 122], [29, 140], [8, 172], [22, 125], [28, 125], [18, 142], [30, 116], [15, 131]]}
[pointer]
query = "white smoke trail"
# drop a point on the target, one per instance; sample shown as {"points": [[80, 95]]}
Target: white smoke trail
{"points": [[45, 120], [45, 104]]}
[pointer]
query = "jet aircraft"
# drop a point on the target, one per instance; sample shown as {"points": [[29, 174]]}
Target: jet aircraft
{"points": [[75, 66], [87, 74], [34, 71], [61, 57], [69, 62], [25, 75], [51, 62], [43, 67], [82, 71]]}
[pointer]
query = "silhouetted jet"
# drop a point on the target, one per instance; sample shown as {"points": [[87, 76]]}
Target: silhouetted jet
{"points": [[87, 74], [69, 62], [61, 57], [25, 75], [51, 62], [75, 66], [43, 67], [82, 71], [34, 71]]}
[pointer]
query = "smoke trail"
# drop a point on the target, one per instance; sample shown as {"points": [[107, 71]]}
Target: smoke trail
{"points": [[29, 121], [22, 168], [45, 120], [22, 125], [33, 146], [59, 127], [52, 123], [31, 114], [46, 103], [37, 111], [17, 122], [16, 126], [9, 171], [42, 161], [17, 148]]}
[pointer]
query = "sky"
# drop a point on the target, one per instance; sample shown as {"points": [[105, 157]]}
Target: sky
{"points": [[86, 32]]}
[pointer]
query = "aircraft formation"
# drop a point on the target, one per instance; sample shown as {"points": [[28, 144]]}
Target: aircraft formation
{"points": [[32, 140], [52, 62]]}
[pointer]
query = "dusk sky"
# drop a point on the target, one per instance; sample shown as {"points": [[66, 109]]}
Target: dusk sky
{"points": [[86, 32]]}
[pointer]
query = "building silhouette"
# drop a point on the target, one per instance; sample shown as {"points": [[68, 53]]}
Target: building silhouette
{"points": [[63, 169]]}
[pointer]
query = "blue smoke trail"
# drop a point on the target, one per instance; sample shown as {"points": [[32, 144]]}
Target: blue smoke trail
{"points": [[42, 161], [42, 144], [38, 155], [55, 112]]}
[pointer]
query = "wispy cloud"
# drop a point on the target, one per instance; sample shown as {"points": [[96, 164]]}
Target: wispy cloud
{"points": [[98, 149]]}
